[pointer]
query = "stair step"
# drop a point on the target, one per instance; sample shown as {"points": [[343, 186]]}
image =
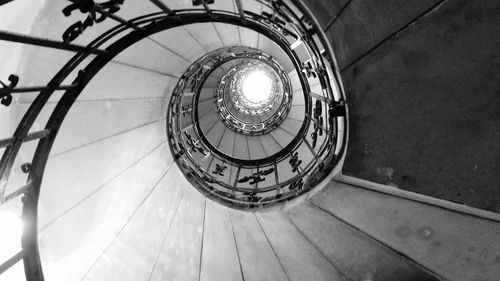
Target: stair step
{"points": [[182, 245], [241, 148], [141, 247], [215, 133], [183, 44], [208, 122], [258, 259], [255, 148], [219, 260], [300, 259], [269, 144], [357, 256]]}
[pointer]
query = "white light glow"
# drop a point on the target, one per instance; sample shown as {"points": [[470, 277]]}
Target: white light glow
{"points": [[11, 227], [257, 86]]}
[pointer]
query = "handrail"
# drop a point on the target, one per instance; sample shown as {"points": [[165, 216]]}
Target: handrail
{"points": [[285, 27], [185, 141]]}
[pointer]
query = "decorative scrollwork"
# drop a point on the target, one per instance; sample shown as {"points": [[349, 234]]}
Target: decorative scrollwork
{"points": [[6, 99], [256, 177], [278, 21], [298, 184], [252, 196], [87, 6], [208, 179], [309, 70], [295, 162], [236, 183], [194, 144], [318, 122], [219, 169], [187, 109]]}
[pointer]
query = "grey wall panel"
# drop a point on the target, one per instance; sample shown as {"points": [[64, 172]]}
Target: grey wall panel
{"points": [[326, 11], [424, 107], [363, 24]]}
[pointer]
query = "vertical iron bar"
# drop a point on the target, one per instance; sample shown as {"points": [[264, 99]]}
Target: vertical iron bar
{"points": [[276, 177], [257, 182], [162, 6], [205, 5], [29, 241], [236, 178], [310, 148], [241, 11]]}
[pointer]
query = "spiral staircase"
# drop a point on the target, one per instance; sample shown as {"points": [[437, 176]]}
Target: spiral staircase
{"points": [[204, 140]]}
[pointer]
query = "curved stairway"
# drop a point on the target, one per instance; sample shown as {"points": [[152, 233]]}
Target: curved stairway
{"points": [[116, 203]]}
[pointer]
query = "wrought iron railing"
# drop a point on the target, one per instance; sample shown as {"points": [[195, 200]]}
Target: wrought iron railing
{"points": [[230, 102], [297, 167], [290, 26]]}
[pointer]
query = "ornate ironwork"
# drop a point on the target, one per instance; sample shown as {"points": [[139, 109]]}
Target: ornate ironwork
{"points": [[296, 175], [287, 24], [88, 7], [228, 95]]}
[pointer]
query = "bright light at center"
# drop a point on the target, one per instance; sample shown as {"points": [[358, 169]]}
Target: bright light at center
{"points": [[257, 86]]}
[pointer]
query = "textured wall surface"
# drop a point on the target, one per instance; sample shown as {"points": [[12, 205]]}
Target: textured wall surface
{"points": [[421, 80]]}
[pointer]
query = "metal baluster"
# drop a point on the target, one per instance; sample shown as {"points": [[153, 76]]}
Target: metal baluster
{"points": [[241, 10], [205, 6], [31, 136], [162, 6]]}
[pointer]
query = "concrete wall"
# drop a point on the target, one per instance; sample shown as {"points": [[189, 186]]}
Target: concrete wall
{"points": [[420, 79]]}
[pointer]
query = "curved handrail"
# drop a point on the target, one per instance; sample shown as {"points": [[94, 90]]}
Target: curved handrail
{"points": [[327, 109], [117, 39]]}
